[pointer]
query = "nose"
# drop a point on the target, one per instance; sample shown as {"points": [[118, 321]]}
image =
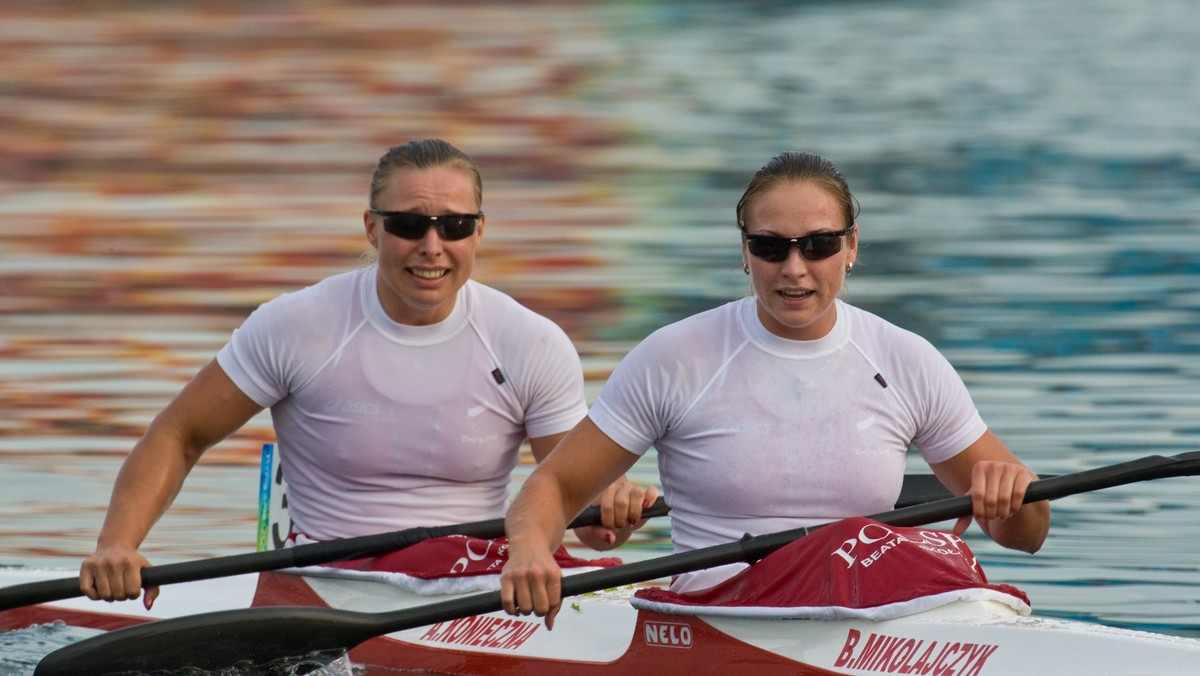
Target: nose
{"points": [[431, 243], [795, 265]]}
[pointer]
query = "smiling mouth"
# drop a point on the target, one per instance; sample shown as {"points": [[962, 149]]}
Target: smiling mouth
{"points": [[429, 274], [795, 295]]}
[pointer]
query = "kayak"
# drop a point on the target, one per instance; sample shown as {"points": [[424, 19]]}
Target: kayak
{"points": [[601, 629], [602, 633]]}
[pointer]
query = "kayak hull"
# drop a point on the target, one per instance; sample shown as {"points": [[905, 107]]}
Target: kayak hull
{"points": [[603, 634]]}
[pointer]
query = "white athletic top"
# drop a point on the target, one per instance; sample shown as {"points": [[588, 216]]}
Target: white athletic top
{"points": [[756, 433], [383, 426]]}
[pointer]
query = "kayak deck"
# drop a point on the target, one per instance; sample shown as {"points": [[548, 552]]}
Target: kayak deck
{"points": [[602, 634]]}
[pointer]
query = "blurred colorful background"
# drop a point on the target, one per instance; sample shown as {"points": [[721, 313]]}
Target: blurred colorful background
{"points": [[1029, 172]]}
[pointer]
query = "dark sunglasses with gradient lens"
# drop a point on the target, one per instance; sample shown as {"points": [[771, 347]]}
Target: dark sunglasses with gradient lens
{"points": [[450, 227], [815, 247]]}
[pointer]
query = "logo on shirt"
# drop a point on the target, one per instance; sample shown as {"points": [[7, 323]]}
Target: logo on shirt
{"points": [[351, 407], [478, 438]]}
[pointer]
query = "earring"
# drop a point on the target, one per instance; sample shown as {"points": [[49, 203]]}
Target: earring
{"points": [[745, 268], [849, 268]]}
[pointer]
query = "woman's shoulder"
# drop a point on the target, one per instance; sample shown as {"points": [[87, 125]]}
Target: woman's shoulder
{"points": [[709, 332], [508, 326], [702, 324], [484, 297], [316, 300], [494, 307], [870, 329]]}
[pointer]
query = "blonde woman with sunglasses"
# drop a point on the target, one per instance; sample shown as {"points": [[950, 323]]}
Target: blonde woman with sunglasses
{"points": [[777, 411], [400, 392]]}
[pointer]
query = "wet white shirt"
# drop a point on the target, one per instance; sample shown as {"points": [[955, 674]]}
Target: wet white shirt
{"points": [[756, 433], [383, 426]]}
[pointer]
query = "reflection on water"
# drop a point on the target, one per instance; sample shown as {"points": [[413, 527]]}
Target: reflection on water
{"points": [[21, 650], [1029, 175]]}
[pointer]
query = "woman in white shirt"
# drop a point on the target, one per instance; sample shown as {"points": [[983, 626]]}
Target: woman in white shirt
{"points": [[400, 393], [773, 412]]}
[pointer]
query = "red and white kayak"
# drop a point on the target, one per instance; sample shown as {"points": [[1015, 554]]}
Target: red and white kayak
{"points": [[623, 630], [603, 634]]}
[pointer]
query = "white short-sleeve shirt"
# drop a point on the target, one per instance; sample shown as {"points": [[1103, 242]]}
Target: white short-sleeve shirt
{"points": [[383, 426], [757, 434]]}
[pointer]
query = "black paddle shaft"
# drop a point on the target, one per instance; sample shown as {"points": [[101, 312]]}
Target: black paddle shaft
{"points": [[257, 636], [46, 591], [917, 489]]}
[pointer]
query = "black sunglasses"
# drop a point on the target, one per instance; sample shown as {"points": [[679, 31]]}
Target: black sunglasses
{"points": [[815, 247], [450, 227]]}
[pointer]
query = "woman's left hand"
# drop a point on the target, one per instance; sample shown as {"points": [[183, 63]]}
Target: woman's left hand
{"points": [[621, 506], [997, 491]]}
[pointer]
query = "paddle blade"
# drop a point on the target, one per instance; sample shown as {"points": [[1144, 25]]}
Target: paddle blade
{"points": [[212, 642]]}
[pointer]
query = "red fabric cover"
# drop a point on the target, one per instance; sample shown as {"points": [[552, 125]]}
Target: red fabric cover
{"points": [[456, 556], [853, 563]]}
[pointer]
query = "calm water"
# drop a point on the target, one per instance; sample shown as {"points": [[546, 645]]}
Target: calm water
{"points": [[1029, 172]]}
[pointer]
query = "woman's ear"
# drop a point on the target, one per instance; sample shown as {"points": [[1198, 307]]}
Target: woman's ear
{"points": [[371, 230], [852, 258]]}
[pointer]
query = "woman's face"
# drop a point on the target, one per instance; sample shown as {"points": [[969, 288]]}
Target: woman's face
{"points": [[419, 279], [796, 296]]}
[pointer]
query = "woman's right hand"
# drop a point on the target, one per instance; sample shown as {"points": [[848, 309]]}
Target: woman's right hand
{"points": [[531, 583], [114, 573]]}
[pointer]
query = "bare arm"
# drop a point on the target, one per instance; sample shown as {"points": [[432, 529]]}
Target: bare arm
{"points": [[997, 481], [541, 446], [615, 501], [582, 466], [208, 409]]}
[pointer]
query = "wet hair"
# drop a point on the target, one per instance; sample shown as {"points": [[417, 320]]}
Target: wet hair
{"points": [[800, 167], [423, 154]]}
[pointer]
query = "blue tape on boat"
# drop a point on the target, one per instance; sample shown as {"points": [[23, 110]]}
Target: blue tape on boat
{"points": [[265, 479]]}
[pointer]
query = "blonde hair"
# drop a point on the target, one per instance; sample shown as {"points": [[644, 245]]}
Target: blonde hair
{"points": [[423, 154], [800, 167]]}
